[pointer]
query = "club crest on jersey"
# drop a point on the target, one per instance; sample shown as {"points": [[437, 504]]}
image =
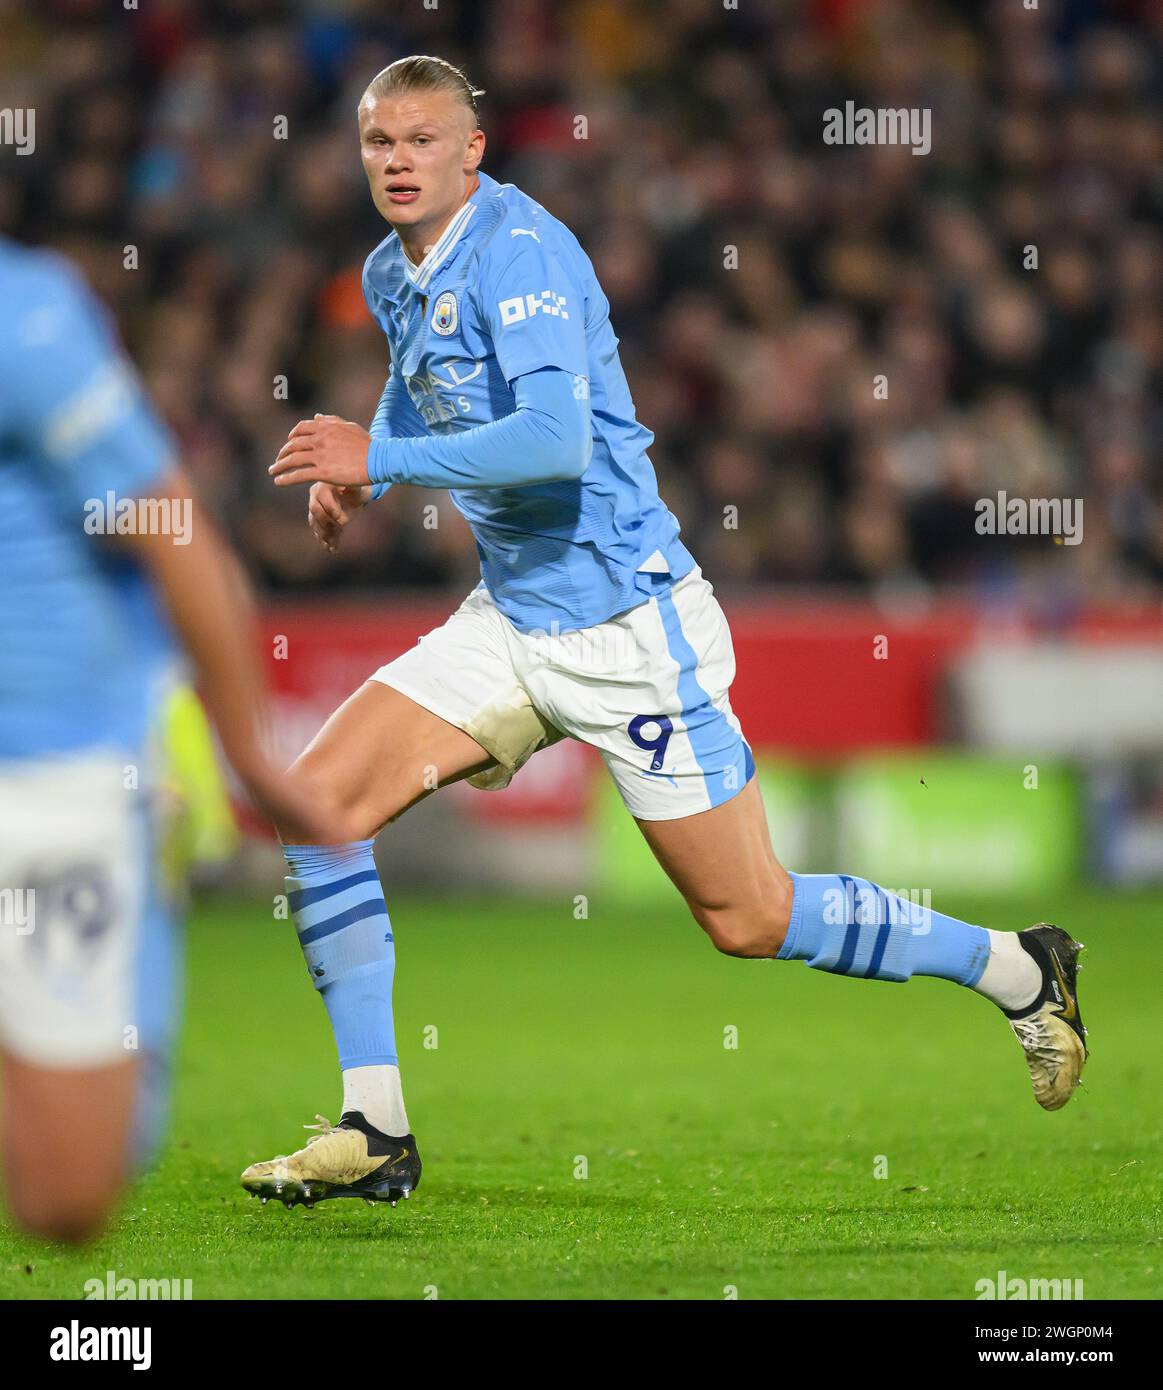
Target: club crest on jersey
{"points": [[444, 314]]}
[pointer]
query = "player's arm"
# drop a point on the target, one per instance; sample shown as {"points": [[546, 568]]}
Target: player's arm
{"points": [[530, 306], [79, 405], [546, 439]]}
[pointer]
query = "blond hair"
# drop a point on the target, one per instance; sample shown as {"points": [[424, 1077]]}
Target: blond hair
{"points": [[423, 73]]}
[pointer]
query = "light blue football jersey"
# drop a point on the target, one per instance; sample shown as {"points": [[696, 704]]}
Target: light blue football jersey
{"points": [[82, 635], [508, 290]]}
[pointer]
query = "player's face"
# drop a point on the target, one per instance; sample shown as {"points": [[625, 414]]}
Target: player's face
{"points": [[420, 152]]}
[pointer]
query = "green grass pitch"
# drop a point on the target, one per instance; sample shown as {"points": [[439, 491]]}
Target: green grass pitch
{"points": [[710, 1168]]}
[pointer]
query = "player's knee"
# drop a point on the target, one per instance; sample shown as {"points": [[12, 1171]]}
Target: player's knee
{"points": [[342, 822]]}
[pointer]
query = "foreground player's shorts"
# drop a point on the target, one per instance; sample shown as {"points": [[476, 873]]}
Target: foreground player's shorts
{"points": [[87, 951], [647, 688]]}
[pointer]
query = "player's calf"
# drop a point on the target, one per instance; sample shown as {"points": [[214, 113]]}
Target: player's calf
{"points": [[753, 929], [722, 862]]}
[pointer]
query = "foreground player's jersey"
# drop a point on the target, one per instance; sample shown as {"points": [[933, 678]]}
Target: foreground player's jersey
{"points": [[508, 290], [81, 637]]}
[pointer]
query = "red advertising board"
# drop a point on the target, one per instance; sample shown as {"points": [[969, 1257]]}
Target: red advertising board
{"points": [[816, 678]]}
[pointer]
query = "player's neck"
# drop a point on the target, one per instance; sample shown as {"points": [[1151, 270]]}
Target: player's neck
{"points": [[418, 239]]}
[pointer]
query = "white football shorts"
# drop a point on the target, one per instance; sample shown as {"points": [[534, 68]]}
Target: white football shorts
{"points": [[81, 966], [648, 689]]}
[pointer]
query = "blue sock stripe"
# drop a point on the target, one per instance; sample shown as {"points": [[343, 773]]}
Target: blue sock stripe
{"points": [[878, 950], [878, 934], [883, 918], [359, 913], [346, 937], [335, 907], [304, 897], [364, 949], [841, 964], [847, 951]]}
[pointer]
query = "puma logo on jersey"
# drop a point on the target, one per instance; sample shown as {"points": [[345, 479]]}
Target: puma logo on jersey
{"points": [[525, 231]]}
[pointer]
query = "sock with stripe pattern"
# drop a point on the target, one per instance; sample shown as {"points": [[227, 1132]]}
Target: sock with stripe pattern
{"points": [[346, 938], [850, 926]]}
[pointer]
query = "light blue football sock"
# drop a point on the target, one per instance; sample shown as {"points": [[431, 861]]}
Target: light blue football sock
{"points": [[850, 926], [342, 921]]}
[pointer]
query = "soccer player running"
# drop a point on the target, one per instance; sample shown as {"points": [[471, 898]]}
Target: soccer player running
{"points": [[88, 947], [592, 621]]}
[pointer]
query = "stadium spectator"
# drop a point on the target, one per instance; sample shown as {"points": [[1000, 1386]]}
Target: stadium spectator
{"points": [[200, 161]]}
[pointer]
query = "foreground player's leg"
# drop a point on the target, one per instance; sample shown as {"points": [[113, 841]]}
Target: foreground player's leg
{"points": [[373, 759], [723, 864], [66, 1144], [87, 991]]}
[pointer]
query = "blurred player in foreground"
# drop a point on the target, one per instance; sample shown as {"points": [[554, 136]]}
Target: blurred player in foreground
{"points": [[99, 536], [592, 621]]}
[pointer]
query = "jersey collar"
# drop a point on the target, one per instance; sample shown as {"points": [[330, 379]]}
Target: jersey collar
{"points": [[420, 276]]}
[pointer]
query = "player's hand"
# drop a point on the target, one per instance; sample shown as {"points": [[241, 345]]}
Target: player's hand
{"points": [[330, 508], [323, 450]]}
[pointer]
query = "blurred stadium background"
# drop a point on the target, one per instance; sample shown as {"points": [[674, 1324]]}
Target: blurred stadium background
{"points": [[932, 706]]}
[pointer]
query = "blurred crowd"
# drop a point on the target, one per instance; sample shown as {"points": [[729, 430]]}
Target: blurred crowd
{"points": [[840, 349]]}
